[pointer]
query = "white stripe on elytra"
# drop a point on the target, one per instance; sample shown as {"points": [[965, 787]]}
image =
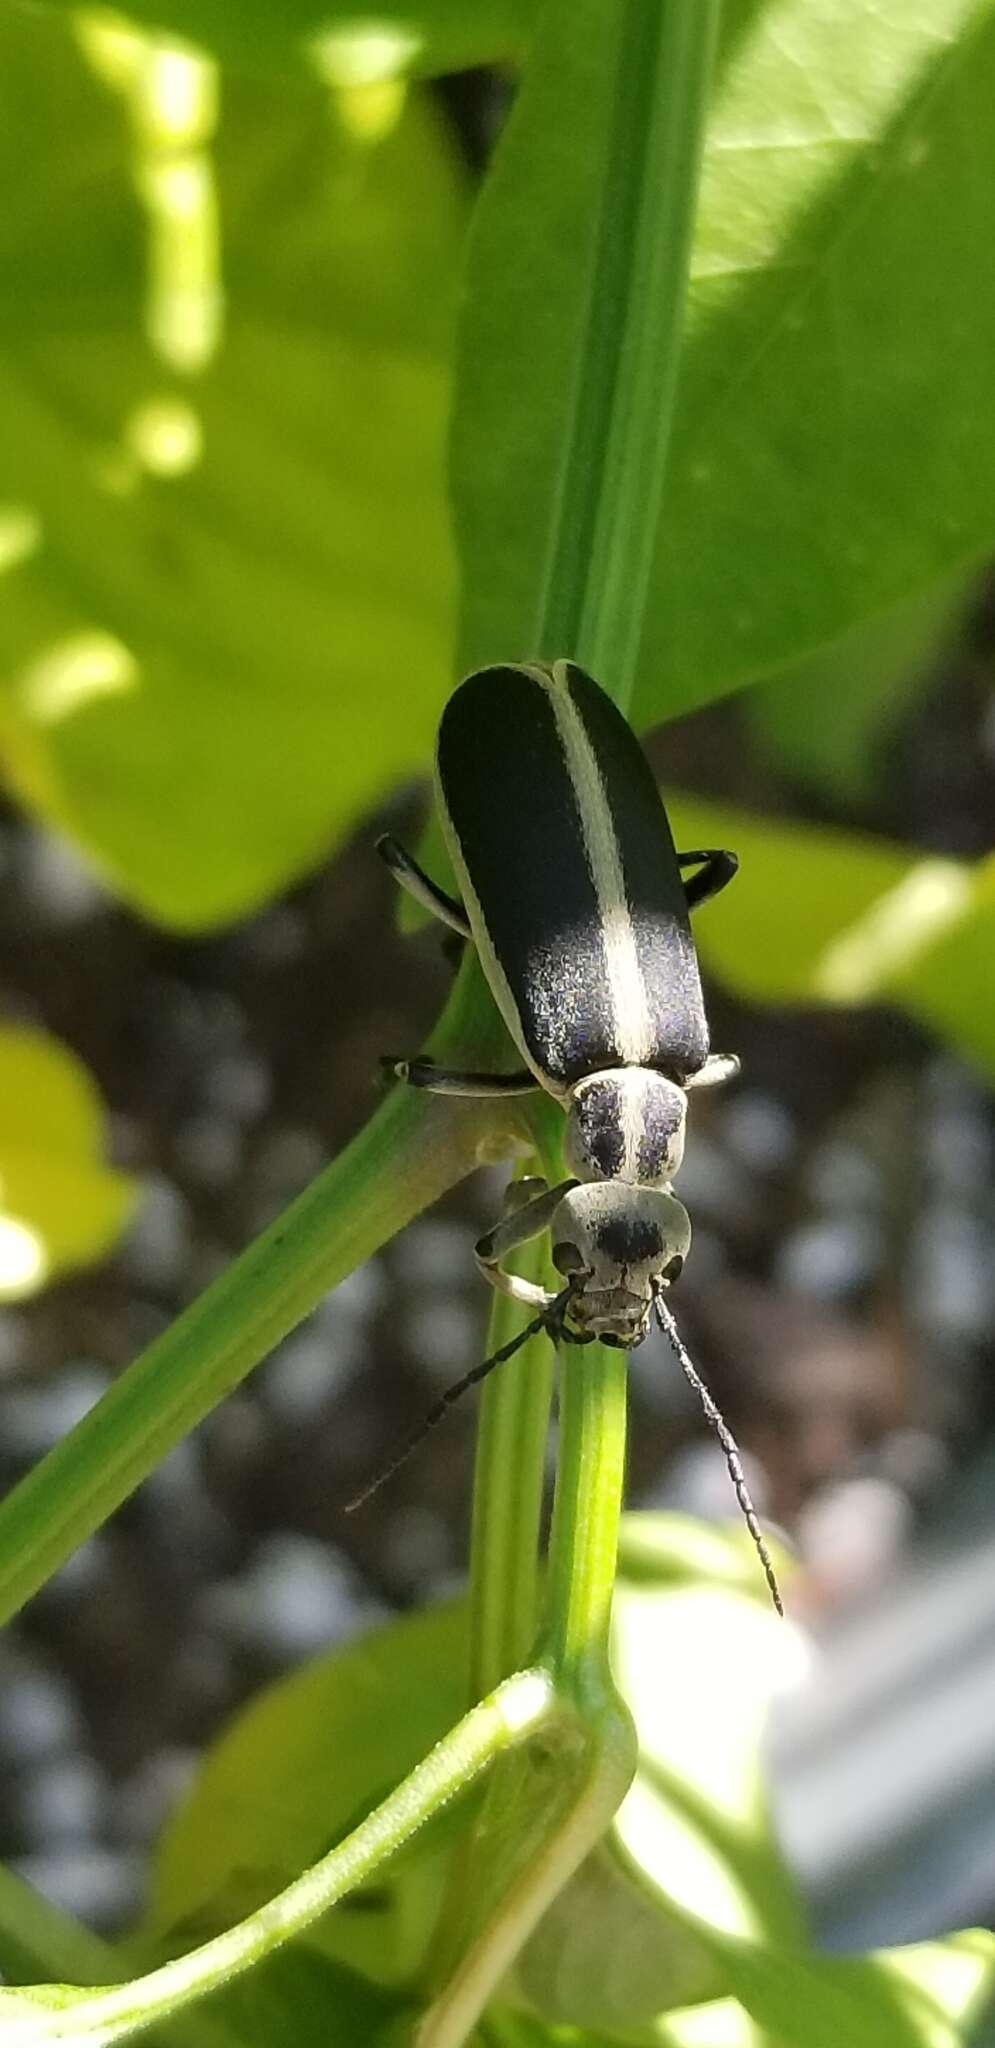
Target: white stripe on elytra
{"points": [[633, 1025], [633, 1125]]}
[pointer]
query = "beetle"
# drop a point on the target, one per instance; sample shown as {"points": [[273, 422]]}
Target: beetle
{"points": [[572, 890]]}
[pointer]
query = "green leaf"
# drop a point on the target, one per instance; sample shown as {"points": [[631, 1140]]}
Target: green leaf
{"points": [[295, 1772], [299, 1995], [825, 464], [37, 1939], [349, 42], [822, 916], [948, 983], [826, 719], [61, 1206], [227, 592]]}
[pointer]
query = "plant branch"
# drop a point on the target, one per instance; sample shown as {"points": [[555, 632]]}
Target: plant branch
{"points": [[519, 1708], [583, 1551], [411, 1151], [614, 474]]}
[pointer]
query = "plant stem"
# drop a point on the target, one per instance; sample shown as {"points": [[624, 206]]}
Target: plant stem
{"points": [[612, 488], [583, 1549], [647, 220], [453, 2015], [520, 1707], [509, 1479], [410, 1152], [574, 1646], [507, 1496]]}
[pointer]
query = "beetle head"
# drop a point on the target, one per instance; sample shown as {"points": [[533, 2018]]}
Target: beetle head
{"points": [[622, 1243]]}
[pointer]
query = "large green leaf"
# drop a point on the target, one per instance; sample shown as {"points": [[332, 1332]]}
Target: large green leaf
{"points": [[823, 916], [227, 599], [346, 40], [826, 719], [61, 1205], [834, 445]]}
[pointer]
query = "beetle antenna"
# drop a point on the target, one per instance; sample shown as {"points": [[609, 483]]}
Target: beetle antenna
{"points": [[547, 1319], [714, 1416]]}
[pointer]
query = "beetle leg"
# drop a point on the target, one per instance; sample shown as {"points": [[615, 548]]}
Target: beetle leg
{"points": [[717, 868], [524, 1222], [426, 892], [451, 1081], [520, 1192], [528, 1292], [719, 1067]]}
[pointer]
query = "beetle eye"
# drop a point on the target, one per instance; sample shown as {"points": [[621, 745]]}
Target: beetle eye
{"points": [[673, 1271], [566, 1258]]}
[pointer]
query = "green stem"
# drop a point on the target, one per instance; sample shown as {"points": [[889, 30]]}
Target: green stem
{"points": [[41, 1943], [507, 1496], [663, 89], [611, 1753], [575, 1647], [519, 1708], [613, 481], [509, 1480], [410, 1152], [583, 1549]]}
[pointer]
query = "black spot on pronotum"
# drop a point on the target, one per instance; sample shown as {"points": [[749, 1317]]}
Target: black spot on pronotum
{"points": [[598, 1119], [662, 1125]]}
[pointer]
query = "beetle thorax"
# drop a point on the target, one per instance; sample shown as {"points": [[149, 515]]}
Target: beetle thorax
{"points": [[621, 1243], [626, 1124]]}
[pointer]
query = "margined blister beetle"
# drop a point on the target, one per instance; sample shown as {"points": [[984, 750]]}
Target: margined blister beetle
{"points": [[575, 897]]}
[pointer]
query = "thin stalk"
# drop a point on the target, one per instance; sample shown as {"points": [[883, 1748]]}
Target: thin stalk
{"points": [[611, 1760], [509, 1479], [583, 1549], [575, 1648], [663, 91], [507, 1496], [411, 1151], [612, 487], [519, 1708]]}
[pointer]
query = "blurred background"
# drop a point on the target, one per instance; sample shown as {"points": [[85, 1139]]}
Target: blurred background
{"points": [[218, 458]]}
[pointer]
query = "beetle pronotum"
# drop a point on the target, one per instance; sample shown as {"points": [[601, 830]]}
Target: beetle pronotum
{"points": [[572, 891]]}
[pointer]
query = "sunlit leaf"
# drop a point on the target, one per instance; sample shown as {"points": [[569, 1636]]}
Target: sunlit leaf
{"points": [[825, 463], [823, 916], [60, 1205], [350, 42], [223, 386]]}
